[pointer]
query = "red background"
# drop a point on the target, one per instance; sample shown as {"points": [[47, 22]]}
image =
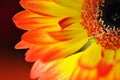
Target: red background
{"points": [[12, 63]]}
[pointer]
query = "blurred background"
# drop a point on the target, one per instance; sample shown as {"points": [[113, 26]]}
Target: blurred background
{"points": [[12, 63]]}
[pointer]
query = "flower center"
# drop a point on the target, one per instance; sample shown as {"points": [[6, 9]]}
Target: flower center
{"points": [[111, 13], [101, 18]]}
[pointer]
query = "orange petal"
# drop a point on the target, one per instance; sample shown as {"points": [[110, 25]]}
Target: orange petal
{"points": [[41, 69], [23, 45], [48, 8], [64, 49], [65, 22], [55, 51], [104, 68], [34, 53], [38, 36], [28, 20], [37, 52], [65, 35]]}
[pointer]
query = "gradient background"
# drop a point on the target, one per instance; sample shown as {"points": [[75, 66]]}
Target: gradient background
{"points": [[12, 63]]}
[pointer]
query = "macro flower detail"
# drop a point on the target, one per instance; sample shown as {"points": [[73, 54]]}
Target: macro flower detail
{"points": [[71, 39], [106, 22]]}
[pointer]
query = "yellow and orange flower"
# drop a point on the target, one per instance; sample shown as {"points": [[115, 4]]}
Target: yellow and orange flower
{"points": [[71, 39]]}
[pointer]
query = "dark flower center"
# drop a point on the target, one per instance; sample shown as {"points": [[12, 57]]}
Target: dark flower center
{"points": [[111, 13]]}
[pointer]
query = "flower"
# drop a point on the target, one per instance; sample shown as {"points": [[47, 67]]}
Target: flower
{"points": [[71, 39]]}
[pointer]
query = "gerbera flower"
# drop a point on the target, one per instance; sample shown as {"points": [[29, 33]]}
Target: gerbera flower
{"points": [[71, 39]]}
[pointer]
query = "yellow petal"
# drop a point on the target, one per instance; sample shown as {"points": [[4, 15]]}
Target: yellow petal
{"points": [[84, 74], [48, 8], [91, 56], [115, 72], [75, 4], [118, 55], [108, 55]]}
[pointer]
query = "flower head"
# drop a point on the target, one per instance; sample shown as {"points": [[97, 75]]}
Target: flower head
{"points": [[71, 39]]}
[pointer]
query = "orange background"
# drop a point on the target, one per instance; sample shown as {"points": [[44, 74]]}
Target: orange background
{"points": [[12, 63]]}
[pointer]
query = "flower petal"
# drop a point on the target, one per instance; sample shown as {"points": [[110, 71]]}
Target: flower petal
{"points": [[67, 34], [65, 49], [58, 71], [65, 22], [55, 51], [75, 4], [38, 36], [23, 45], [114, 73], [84, 74], [118, 55], [108, 55], [39, 68], [32, 21], [104, 68], [69, 21], [91, 56], [48, 8], [73, 31]]}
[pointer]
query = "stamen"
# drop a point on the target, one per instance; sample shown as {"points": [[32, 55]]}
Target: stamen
{"points": [[98, 25]]}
